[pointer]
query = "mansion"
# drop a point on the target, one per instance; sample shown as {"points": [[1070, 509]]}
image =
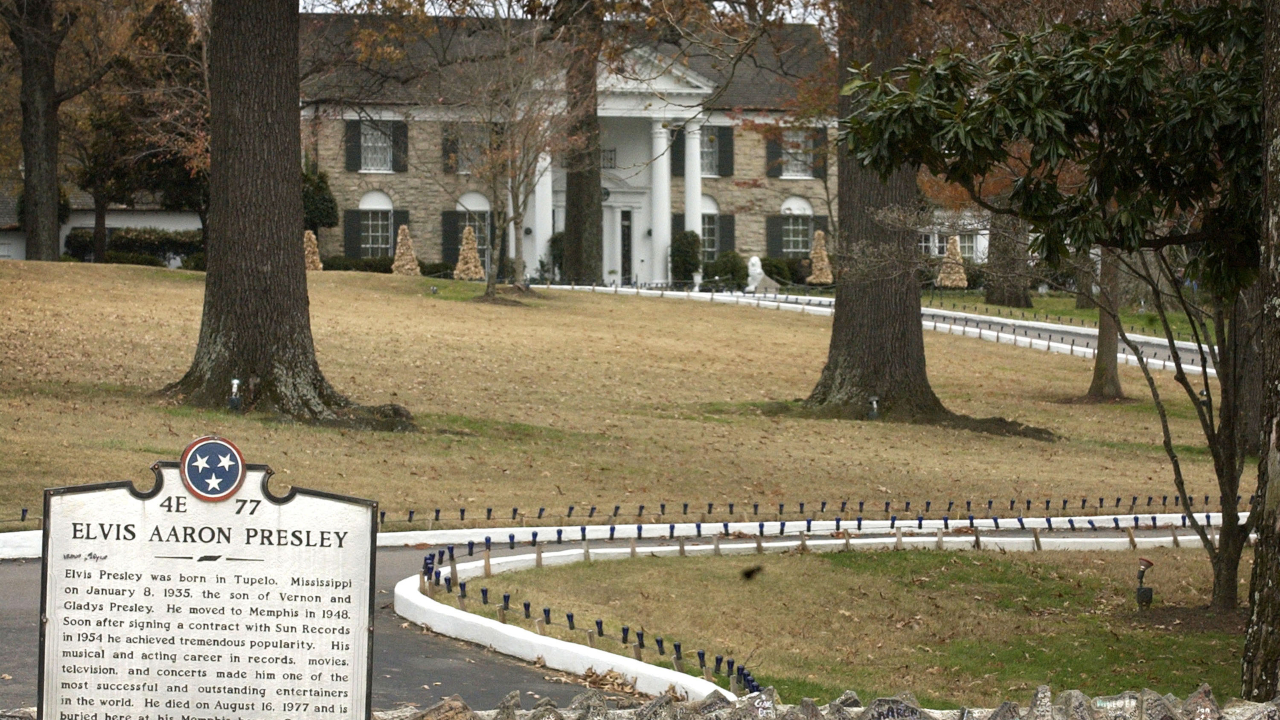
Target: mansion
{"points": [[687, 148]]}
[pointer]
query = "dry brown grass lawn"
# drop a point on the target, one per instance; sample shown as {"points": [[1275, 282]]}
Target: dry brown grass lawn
{"points": [[573, 399], [956, 628]]}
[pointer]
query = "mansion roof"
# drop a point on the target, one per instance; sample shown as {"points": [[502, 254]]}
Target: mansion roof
{"points": [[422, 66]]}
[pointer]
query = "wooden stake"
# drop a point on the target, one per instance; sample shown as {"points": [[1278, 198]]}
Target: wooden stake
{"points": [[716, 546], [1133, 542], [635, 649], [540, 625], [633, 547], [488, 572], [804, 543], [1174, 532], [846, 541], [977, 539], [681, 547], [462, 603], [706, 673], [897, 543], [591, 638], [1035, 537], [677, 665], [537, 557], [453, 570], [759, 547], [502, 615], [586, 551], [422, 584], [938, 543]]}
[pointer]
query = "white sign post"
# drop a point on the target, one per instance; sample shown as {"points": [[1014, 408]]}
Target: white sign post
{"points": [[206, 597]]}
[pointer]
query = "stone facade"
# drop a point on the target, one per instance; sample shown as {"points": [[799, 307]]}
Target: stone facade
{"points": [[750, 196], [425, 190]]}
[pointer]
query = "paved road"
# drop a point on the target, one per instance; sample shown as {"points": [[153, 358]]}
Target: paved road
{"points": [[404, 659]]}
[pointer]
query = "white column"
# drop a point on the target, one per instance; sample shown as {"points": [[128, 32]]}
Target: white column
{"points": [[693, 177], [617, 233], [660, 185], [543, 203]]}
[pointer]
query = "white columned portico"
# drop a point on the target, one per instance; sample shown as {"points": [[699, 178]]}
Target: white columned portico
{"points": [[693, 176], [660, 225], [543, 220]]}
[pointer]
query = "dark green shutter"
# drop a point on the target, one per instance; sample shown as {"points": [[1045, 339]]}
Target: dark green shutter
{"points": [[773, 236], [449, 149], [399, 146], [820, 223], [351, 139], [820, 153], [725, 240], [677, 154], [724, 148], [351, 233], [772, 158], [677, 224], [398, 218], [450, 222]]}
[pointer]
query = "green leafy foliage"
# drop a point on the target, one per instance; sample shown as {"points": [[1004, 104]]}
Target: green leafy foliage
{"points": [[436, 270], [1139, 132], [153, 242], [686, 252], [374, 265], [728, 272], [319, 209], [776, 268]]}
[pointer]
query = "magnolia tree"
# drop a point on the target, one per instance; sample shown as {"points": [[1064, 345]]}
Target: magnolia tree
{"points": [[1138, 136]]}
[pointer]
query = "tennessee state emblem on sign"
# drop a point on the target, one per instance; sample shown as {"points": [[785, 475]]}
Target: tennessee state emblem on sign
{"points": [[212, 468]]}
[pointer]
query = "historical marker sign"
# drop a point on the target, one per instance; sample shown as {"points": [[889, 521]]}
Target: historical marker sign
{"points": [[206, 598]]}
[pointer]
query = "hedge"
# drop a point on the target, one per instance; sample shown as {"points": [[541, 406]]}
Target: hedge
{"points": [[153, 242]]}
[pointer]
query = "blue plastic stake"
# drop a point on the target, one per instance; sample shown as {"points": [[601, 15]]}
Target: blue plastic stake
{"points": [[546, 615], [526, 610], [511, 539], [484, 596], [599, 628], [569, 619], [506, 601]]}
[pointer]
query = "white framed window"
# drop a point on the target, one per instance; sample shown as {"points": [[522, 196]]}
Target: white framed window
{"points": [[925, 244], [797, 234], [375, 233], [710, 153], [710, 237], [966, 246], [473, 141], [375, 146], [608, 158], [797, 154]]}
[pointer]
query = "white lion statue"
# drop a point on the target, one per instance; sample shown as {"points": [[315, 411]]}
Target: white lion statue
{"points": [[755, 273]]}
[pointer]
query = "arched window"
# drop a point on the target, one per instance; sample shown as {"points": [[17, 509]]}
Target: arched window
{"points": [[710, 228], [797, 227], [376, 233], [475, 215]]}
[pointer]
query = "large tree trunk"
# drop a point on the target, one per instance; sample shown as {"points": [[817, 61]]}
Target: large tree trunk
{"points": [[1252, 370], [1106, 373], [1006, 270], [1260, 671], [31, 28], [877, 342], [256, 325], [583, 212]]}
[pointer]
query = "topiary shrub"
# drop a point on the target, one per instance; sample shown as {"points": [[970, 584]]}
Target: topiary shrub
{"points": [[728, 272], [776, 268], [976, 274], [685, 251], [436, 270], [373, 265]]}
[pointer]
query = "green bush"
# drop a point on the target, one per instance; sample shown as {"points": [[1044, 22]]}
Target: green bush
{"points": [[976, 274], [342, 262], [800, 269], [319, 209], [194, 261], [556, 242], [728, 272], [127, 258], [776, 268], [436, 270], [155, 242], [686, 249]]}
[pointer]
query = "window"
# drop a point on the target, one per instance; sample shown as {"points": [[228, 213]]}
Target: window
{"points": [[940, 245], [375, 233], [472, 142], [925, 245], [375, 146], [709, 237], [710, 153], [966, 246], [478, 221], [797, 231], [797, 154], [608, 158]]}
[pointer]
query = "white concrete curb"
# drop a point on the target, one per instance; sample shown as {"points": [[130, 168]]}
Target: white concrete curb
{"points": [[21, 544]]}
